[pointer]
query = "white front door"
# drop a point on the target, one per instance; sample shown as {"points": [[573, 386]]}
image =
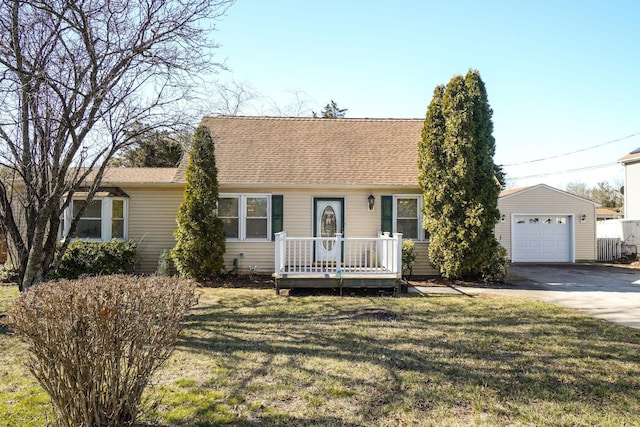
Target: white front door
{"points": [[542, 238], [328, 220]]}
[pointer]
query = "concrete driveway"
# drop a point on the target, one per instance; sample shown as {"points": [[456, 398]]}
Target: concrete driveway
{"points": [[607, 292]]}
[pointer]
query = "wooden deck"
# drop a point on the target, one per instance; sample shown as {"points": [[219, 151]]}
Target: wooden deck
{"points": [[362, 262], [345, 281]]}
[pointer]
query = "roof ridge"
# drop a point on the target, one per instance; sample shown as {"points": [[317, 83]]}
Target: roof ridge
{"points": [[286, 118]]}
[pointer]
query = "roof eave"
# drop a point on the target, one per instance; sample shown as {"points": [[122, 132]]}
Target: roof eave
{"points": [[316, 186]]}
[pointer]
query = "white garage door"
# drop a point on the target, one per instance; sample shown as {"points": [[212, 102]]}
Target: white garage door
{"points": [[540, 238]]}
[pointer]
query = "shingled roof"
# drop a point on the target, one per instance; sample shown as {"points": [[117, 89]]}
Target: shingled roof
{"points": [[314, 151], [137, 176], [511, 191], [632, 157]]}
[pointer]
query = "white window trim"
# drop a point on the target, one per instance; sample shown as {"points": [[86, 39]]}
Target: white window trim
{"points": [[242, 216], [105, 220], [420, 203]]}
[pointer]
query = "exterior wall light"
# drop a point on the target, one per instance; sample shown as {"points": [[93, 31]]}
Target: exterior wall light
{"points": [[371, 200], [583, 218], [503, 217]]}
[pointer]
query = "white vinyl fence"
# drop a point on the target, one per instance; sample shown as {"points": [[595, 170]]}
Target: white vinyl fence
{"points": [[609, 248]]}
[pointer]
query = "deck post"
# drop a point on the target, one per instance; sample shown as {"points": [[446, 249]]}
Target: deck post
{"points": [[338, 252], [280, 253], [397, 254]]}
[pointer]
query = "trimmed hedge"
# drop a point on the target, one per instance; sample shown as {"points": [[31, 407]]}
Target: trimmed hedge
{"points": [[97, 258], [95, 343]]}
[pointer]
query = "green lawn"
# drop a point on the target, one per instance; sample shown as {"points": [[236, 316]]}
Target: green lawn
{"points": [[250, 358]]}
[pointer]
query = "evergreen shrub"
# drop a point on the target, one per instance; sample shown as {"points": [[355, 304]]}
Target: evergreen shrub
{"points": [[97, 258]]}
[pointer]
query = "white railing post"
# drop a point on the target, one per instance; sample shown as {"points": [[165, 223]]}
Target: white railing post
{"points": [[397, 254], [338, 251], [385, 251], [281, 239]]}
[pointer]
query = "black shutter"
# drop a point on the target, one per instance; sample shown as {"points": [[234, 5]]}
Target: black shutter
{"points": [[277, 215], [386, 210]]}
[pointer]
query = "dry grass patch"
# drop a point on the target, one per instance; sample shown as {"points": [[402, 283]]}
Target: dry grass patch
{"points": [[249, 358]]}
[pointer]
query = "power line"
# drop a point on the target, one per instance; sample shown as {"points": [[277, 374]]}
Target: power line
{"points": [[574, 152], [604, 165]]}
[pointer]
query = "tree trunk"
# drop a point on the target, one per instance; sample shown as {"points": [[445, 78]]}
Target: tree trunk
{"points": [[33, 272]]}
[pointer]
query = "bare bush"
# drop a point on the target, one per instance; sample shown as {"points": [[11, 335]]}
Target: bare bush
{"points": [[94, 343]]}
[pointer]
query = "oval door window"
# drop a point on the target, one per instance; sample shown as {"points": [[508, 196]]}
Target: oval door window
{"points": [[328, 226]]}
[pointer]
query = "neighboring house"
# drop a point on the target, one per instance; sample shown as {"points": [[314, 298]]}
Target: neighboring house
{"points": [[626, 227], [314, 178], [631, 163], [604, 214], [543, 224]]}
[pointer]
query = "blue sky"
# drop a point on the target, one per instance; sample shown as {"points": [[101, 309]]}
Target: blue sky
{"points": [[561, 75]]}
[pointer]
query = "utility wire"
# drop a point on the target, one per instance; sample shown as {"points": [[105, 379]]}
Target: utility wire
{"points": [[604, 165], [574, 152]]}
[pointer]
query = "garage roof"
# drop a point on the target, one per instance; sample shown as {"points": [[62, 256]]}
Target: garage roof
{"points": [[513, 191]]}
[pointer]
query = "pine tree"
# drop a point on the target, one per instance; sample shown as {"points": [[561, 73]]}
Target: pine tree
{"points": [[457, 175], [152, 149], [332, 111], [200, 239]]}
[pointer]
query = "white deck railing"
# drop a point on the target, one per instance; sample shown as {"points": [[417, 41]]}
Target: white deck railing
{"points": [[338, 257]]}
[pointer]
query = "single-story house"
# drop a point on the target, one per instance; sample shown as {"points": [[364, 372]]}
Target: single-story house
{"points": [[288, 185]]}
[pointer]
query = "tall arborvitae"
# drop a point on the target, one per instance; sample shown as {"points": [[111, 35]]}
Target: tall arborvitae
{"points": [[200, 239], [457, 177]]}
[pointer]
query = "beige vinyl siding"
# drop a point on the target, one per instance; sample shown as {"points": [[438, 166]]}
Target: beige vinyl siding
{"points": [[152, 220], [298, 222], [422, 267], [257, 256], [632, 191], [358, 220], [546, 201]]}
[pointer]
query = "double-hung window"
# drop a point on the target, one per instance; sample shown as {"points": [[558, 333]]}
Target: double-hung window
{"points": [[407, 212], [245, 216], [117, 219], [89, 225], [105, 218]]}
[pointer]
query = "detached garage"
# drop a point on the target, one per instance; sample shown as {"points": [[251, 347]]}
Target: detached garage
{"points": [[544, 224]]}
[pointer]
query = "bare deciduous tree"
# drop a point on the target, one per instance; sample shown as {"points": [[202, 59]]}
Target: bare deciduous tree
{"points": [[241, 98], [234, 98], [73, 76], [604, 192], [298, 107]]}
